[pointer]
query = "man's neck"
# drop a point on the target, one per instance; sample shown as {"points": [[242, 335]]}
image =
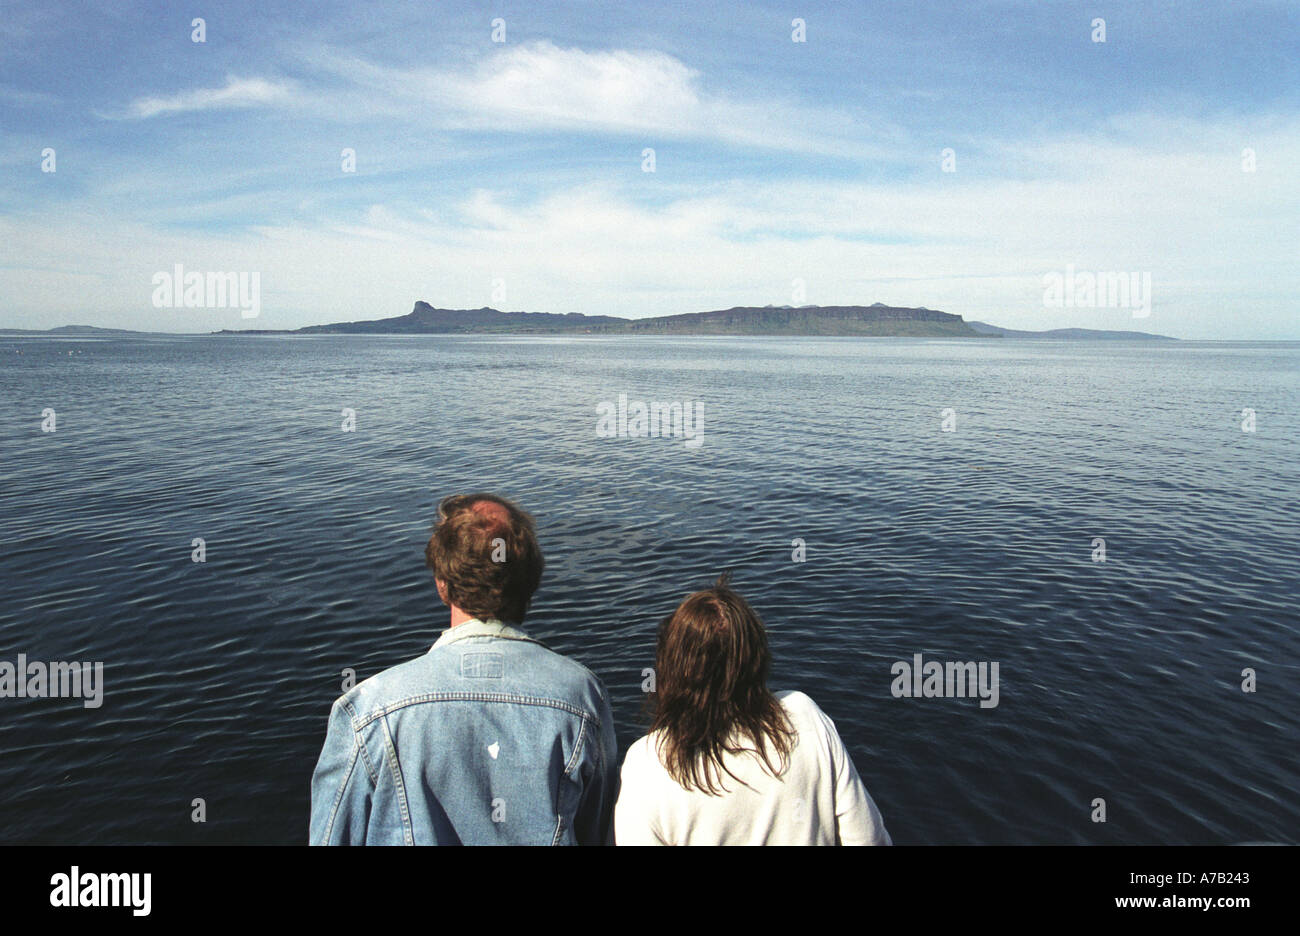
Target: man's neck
{"points": [[459, 617]]}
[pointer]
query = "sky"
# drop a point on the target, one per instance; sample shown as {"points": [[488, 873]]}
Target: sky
{"points": [[953, 157]]}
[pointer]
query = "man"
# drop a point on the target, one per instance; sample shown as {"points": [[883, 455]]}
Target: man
{"points": [[489, 738]]}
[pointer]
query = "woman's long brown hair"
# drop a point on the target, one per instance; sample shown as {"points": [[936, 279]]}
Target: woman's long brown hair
{"points": [[711, 692]]}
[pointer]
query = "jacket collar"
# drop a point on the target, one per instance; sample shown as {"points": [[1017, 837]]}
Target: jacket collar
{"points": [[476, 628]]}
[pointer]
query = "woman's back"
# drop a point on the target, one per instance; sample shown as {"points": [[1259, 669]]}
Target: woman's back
{"points": [[818, 799]]}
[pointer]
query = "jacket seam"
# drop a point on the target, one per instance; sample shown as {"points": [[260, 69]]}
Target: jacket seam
{"points": [[371, 770], [407, 832], [577, 750], [338, 796], [469, 697], [360, 743], [574, 760]]}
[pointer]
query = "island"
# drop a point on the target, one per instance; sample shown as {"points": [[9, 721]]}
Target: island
{"points": [[874, 321], [877, 320]]}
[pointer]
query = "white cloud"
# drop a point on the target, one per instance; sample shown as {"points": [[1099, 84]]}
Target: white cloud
{"points": [[540, 84]]}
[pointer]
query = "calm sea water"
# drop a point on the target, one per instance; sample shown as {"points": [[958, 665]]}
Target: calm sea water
{"points": [[1119, 680]]}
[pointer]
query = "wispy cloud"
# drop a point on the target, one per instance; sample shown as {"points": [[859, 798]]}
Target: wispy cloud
{"points": [[23, 98], [539, 86], [237, 92]]}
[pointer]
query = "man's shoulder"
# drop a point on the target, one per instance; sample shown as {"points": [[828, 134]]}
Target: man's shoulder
{"points": [[572, 670], [377, 692], [426, 676], [566, 674], [548, 665]]}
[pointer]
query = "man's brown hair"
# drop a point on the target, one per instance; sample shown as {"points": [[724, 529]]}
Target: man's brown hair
{"points": [[711, 694], [484, 550]]}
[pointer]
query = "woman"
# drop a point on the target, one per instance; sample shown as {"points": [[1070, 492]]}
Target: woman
{"points": [[727, 762]]}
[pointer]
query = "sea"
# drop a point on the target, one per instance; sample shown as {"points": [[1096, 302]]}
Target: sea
{"points": [[233, 526]]}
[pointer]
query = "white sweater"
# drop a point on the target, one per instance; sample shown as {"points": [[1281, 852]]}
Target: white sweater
{"points": [[818, 800]]}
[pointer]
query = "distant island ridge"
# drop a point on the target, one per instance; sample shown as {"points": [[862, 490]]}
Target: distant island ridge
{"points": [[876, 320]]}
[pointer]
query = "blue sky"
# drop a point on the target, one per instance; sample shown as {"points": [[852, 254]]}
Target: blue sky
{"points": [[517, 165]]}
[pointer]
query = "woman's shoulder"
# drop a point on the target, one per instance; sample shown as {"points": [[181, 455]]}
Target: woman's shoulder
{"points": [[805, 713], [642, 755], [797, 703]]}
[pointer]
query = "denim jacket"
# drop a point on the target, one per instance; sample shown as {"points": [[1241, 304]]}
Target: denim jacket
{"points": [[489, 738]]}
